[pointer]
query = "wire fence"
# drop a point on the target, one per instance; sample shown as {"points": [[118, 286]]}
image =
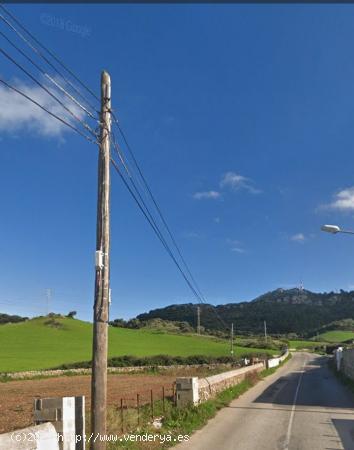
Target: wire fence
{"points": [[135, 411]]}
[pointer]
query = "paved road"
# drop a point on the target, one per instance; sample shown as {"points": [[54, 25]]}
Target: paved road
{"points": [[300, 407]]}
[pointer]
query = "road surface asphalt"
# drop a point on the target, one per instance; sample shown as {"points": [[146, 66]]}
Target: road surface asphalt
{"points": [[300, 407]]}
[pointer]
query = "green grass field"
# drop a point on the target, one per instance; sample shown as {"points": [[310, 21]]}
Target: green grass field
{"points": [[300, 345], [33, 345], [336, 336]]}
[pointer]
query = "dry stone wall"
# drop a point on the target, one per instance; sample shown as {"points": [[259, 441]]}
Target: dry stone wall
{"points": [[210, 386]]}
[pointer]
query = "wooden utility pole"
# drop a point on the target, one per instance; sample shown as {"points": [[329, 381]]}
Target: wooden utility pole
{"points": [[198, 319], [102, 289], [265, 331], [232, 339]]}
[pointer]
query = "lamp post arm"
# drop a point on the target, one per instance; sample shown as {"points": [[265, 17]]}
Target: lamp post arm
{"points": [[346, 231]]}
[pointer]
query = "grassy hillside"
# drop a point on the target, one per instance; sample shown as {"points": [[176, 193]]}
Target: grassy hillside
{"points": [[336, 336], [35, 345]]}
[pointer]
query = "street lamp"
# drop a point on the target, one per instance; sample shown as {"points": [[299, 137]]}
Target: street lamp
{"points": [[334, 229]]}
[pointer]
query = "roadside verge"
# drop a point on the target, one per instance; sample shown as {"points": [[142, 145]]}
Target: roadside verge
{"points": [[185, 421]]}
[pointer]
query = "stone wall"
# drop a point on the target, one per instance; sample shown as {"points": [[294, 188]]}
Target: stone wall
{"points": [[208, 387], [274, 362], [59, 372]]}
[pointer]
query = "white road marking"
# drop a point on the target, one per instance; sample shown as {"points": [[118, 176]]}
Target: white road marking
{"points": [[291, 420]]}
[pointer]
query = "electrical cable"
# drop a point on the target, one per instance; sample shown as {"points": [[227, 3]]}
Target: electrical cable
{"points": [[84, 124], [196, 290], [200, 294], [155, 203], [46, 59], [162, 240], [49, 77], [115, 165]]}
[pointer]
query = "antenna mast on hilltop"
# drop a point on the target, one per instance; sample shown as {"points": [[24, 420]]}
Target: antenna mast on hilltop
{"points": [[48, 296], [198, 319], [232, 340]]}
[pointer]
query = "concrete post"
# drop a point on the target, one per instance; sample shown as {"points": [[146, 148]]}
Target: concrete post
{"points": [[80, 422], [67, 414], [187, 392], [338, 357]]}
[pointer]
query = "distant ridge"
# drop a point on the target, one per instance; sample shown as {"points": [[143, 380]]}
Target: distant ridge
{"points": [[295, 310]]}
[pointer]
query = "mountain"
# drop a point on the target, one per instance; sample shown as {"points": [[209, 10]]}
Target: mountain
{"points": [[285, 310]]}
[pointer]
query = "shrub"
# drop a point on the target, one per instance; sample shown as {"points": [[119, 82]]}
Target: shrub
{"points": [[156, 360]]}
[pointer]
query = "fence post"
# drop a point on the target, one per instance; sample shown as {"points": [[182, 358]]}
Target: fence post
{"points": [[80, 423], [187, 391], [121, 415], [163, 399], [174, 393], [267, 362], [152, 404], [138, 407]]}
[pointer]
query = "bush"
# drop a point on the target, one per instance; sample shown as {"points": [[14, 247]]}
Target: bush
{"points": [[5, 318], [157, 360], [53, 323]]}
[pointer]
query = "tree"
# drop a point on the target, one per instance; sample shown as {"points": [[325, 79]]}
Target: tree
{"points": [[72, 314], [118, 323]]}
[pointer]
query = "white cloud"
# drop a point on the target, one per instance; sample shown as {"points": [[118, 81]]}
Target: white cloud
{"points": [[230, 180], [343, 200], [237, 182], [237, 250], [299, 237], [207, 195], [235, 246], [17, 113]]}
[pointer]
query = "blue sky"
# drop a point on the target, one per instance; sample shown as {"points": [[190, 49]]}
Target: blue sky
{"points": [[242, 118]]}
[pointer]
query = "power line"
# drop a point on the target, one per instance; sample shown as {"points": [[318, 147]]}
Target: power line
{"points": [[84, 124], [159, 235], [123, 161], [196, 290], [200, 297], [48, 76], [156, 204], [9, 86], [52, 54], [144, 208], [39, 53], [147, 212]]}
